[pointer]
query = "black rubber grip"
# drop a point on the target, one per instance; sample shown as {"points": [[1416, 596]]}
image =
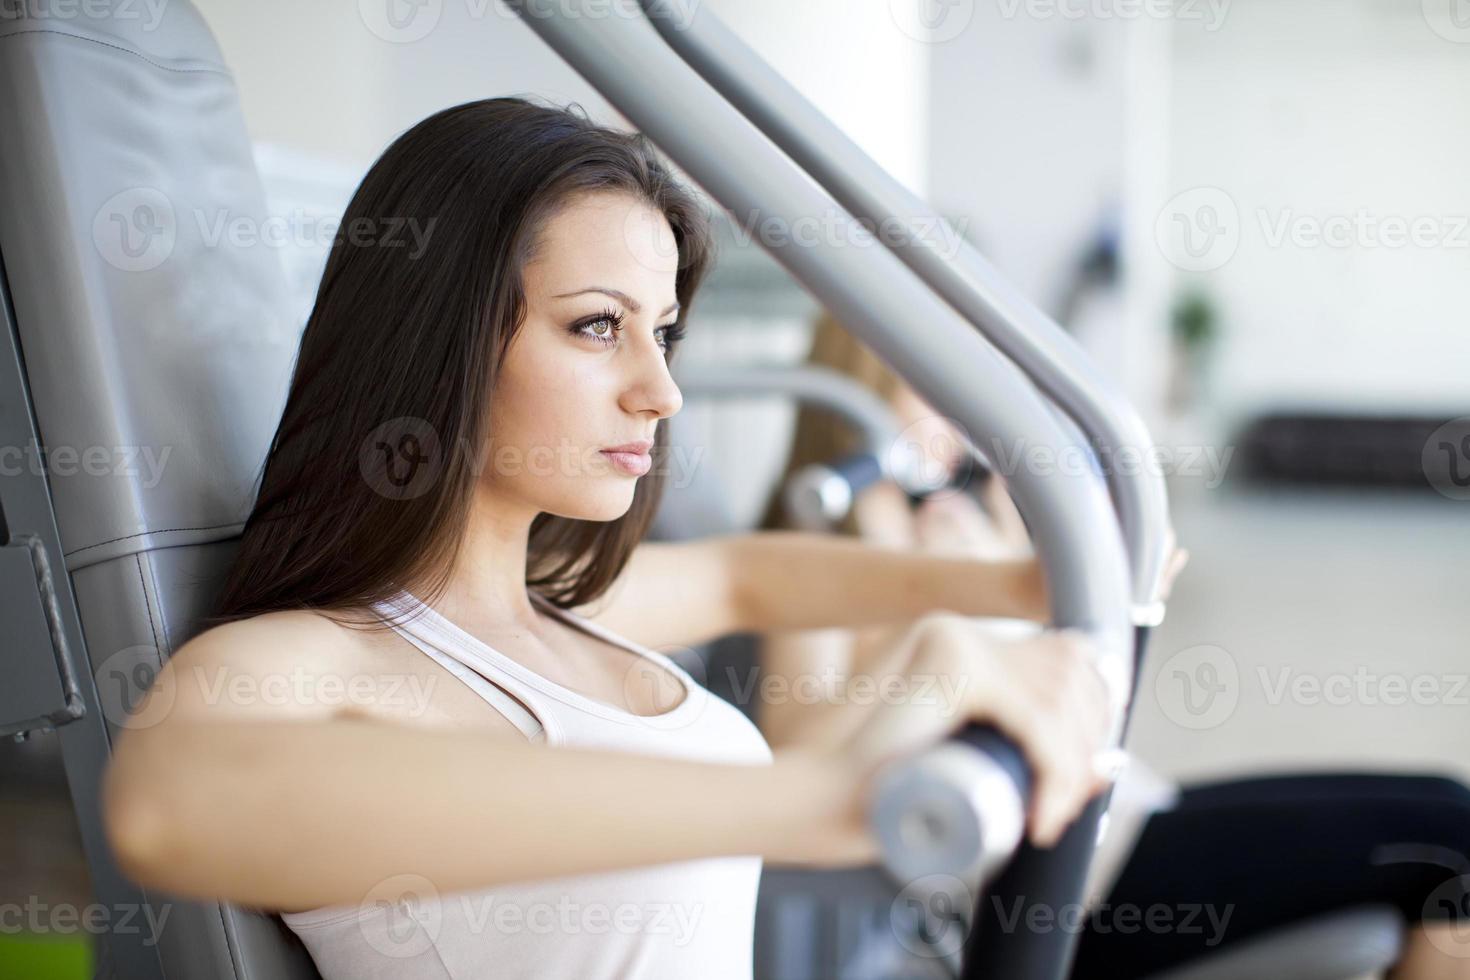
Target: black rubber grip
{"points": [[988, 739]]}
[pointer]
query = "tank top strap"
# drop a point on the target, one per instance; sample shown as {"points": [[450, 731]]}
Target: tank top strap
{"points": [[419, 625]]}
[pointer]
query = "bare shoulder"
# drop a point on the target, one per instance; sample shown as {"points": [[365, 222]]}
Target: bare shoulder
{"points": [[287, 665]]}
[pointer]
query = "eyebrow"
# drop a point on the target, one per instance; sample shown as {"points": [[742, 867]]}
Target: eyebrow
{"points": [[618, 295]]}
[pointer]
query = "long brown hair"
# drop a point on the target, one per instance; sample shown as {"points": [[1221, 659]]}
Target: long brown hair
{"points": [[821, 436], [402, 351]]}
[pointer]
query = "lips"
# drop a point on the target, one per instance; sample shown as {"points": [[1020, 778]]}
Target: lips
{"points": [[639, 448], [631, 458]]}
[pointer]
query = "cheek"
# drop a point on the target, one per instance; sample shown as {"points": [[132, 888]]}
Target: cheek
{"points": [[542, 399]]}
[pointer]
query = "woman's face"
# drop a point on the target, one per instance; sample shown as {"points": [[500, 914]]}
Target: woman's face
{"points": [[587, 371]]}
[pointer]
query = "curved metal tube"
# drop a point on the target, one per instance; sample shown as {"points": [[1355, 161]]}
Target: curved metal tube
{"points": [[886, 305], [928, 245], [854, 401]]}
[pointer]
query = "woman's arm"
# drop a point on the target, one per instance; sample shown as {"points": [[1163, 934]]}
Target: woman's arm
{"points": [[767, 581], [296, 799], [804, 676], [300, 814], [221, 794], [799, 580]]}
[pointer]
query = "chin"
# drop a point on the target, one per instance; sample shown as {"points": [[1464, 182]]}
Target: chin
{"points": [[605, 505]]}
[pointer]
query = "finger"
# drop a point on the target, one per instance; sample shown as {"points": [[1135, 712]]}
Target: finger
{"points": [[1045, 750]]}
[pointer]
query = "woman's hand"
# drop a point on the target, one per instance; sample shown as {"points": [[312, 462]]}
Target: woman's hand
{"points": [[957, 523], [945, 671], [1175, 560]]}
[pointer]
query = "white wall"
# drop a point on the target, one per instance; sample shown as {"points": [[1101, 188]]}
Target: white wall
{"points": [[335, 79], [1031, 152], [1312, 110], [326, 87], [1027, 135]]}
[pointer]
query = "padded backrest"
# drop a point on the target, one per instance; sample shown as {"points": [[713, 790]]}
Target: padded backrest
{"points": [[157, 345]]}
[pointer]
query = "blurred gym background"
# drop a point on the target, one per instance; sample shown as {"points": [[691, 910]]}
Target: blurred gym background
{"points": [[1253, 213]]}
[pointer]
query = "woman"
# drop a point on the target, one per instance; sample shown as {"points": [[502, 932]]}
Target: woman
{"points": [[429, 724], [1269, 850]]}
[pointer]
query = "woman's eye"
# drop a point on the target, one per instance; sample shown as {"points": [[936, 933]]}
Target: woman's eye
{"points": [[603, 329]]}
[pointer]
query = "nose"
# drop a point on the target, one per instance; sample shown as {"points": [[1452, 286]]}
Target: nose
{"points": [[651, 389]]}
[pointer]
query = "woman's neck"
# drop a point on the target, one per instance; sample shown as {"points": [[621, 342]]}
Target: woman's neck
{"points": [[488, 583]]}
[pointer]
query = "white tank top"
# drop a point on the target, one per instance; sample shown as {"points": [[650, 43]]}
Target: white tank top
{"points": [[660, 922]]}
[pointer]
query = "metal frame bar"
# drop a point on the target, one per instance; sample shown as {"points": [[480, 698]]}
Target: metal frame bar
{"points": [[855, 402], [1048, 355], [30, 521], [873, 293]]}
